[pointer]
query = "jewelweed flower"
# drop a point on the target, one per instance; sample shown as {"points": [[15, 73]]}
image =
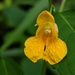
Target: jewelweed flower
{"points": [[45, 44]]}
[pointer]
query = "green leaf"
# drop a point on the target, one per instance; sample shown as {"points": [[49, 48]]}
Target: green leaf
{"points": [[9, 67], [14, 14], [28, 19], [1, 6], [25, 1], [71, 53], [32, 29], [66, 25], [30, 68], [65, 22], [12, 52], [53, 71]]}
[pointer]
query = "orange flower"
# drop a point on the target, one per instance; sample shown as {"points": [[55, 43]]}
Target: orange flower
{"points": [[45, 44]]}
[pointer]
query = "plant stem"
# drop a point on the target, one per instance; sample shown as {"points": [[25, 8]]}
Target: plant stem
{"points": [[62, 5], [50, 2], [52, 9], [44, 68]]}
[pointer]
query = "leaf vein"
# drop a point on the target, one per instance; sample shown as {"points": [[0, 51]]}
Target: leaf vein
{"points": [[67, 22]]}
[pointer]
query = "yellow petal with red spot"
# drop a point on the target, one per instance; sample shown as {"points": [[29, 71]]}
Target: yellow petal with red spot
{"points": [[44, 17], [55, 51], [34, 49]]}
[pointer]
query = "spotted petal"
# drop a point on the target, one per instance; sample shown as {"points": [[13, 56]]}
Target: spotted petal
{"points": [[55, 51], [34, 48]]}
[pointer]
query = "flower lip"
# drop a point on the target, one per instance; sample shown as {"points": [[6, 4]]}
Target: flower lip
{"points": [[45, 44]]}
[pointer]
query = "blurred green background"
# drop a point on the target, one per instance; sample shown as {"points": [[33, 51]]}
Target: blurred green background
{"points": [[17, 20]]}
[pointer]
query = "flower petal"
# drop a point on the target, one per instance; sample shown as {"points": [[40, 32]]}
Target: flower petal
{"points": [[55, 51], [34, 49], [44, 17]]}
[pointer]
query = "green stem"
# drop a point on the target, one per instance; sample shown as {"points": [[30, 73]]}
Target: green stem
{"points": [[50, 2], [52, 9], [62, 5], [44, 68]]}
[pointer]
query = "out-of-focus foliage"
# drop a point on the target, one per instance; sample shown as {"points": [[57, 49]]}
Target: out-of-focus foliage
{"points": [[17, 20], [27, 66], [9, 67]]}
